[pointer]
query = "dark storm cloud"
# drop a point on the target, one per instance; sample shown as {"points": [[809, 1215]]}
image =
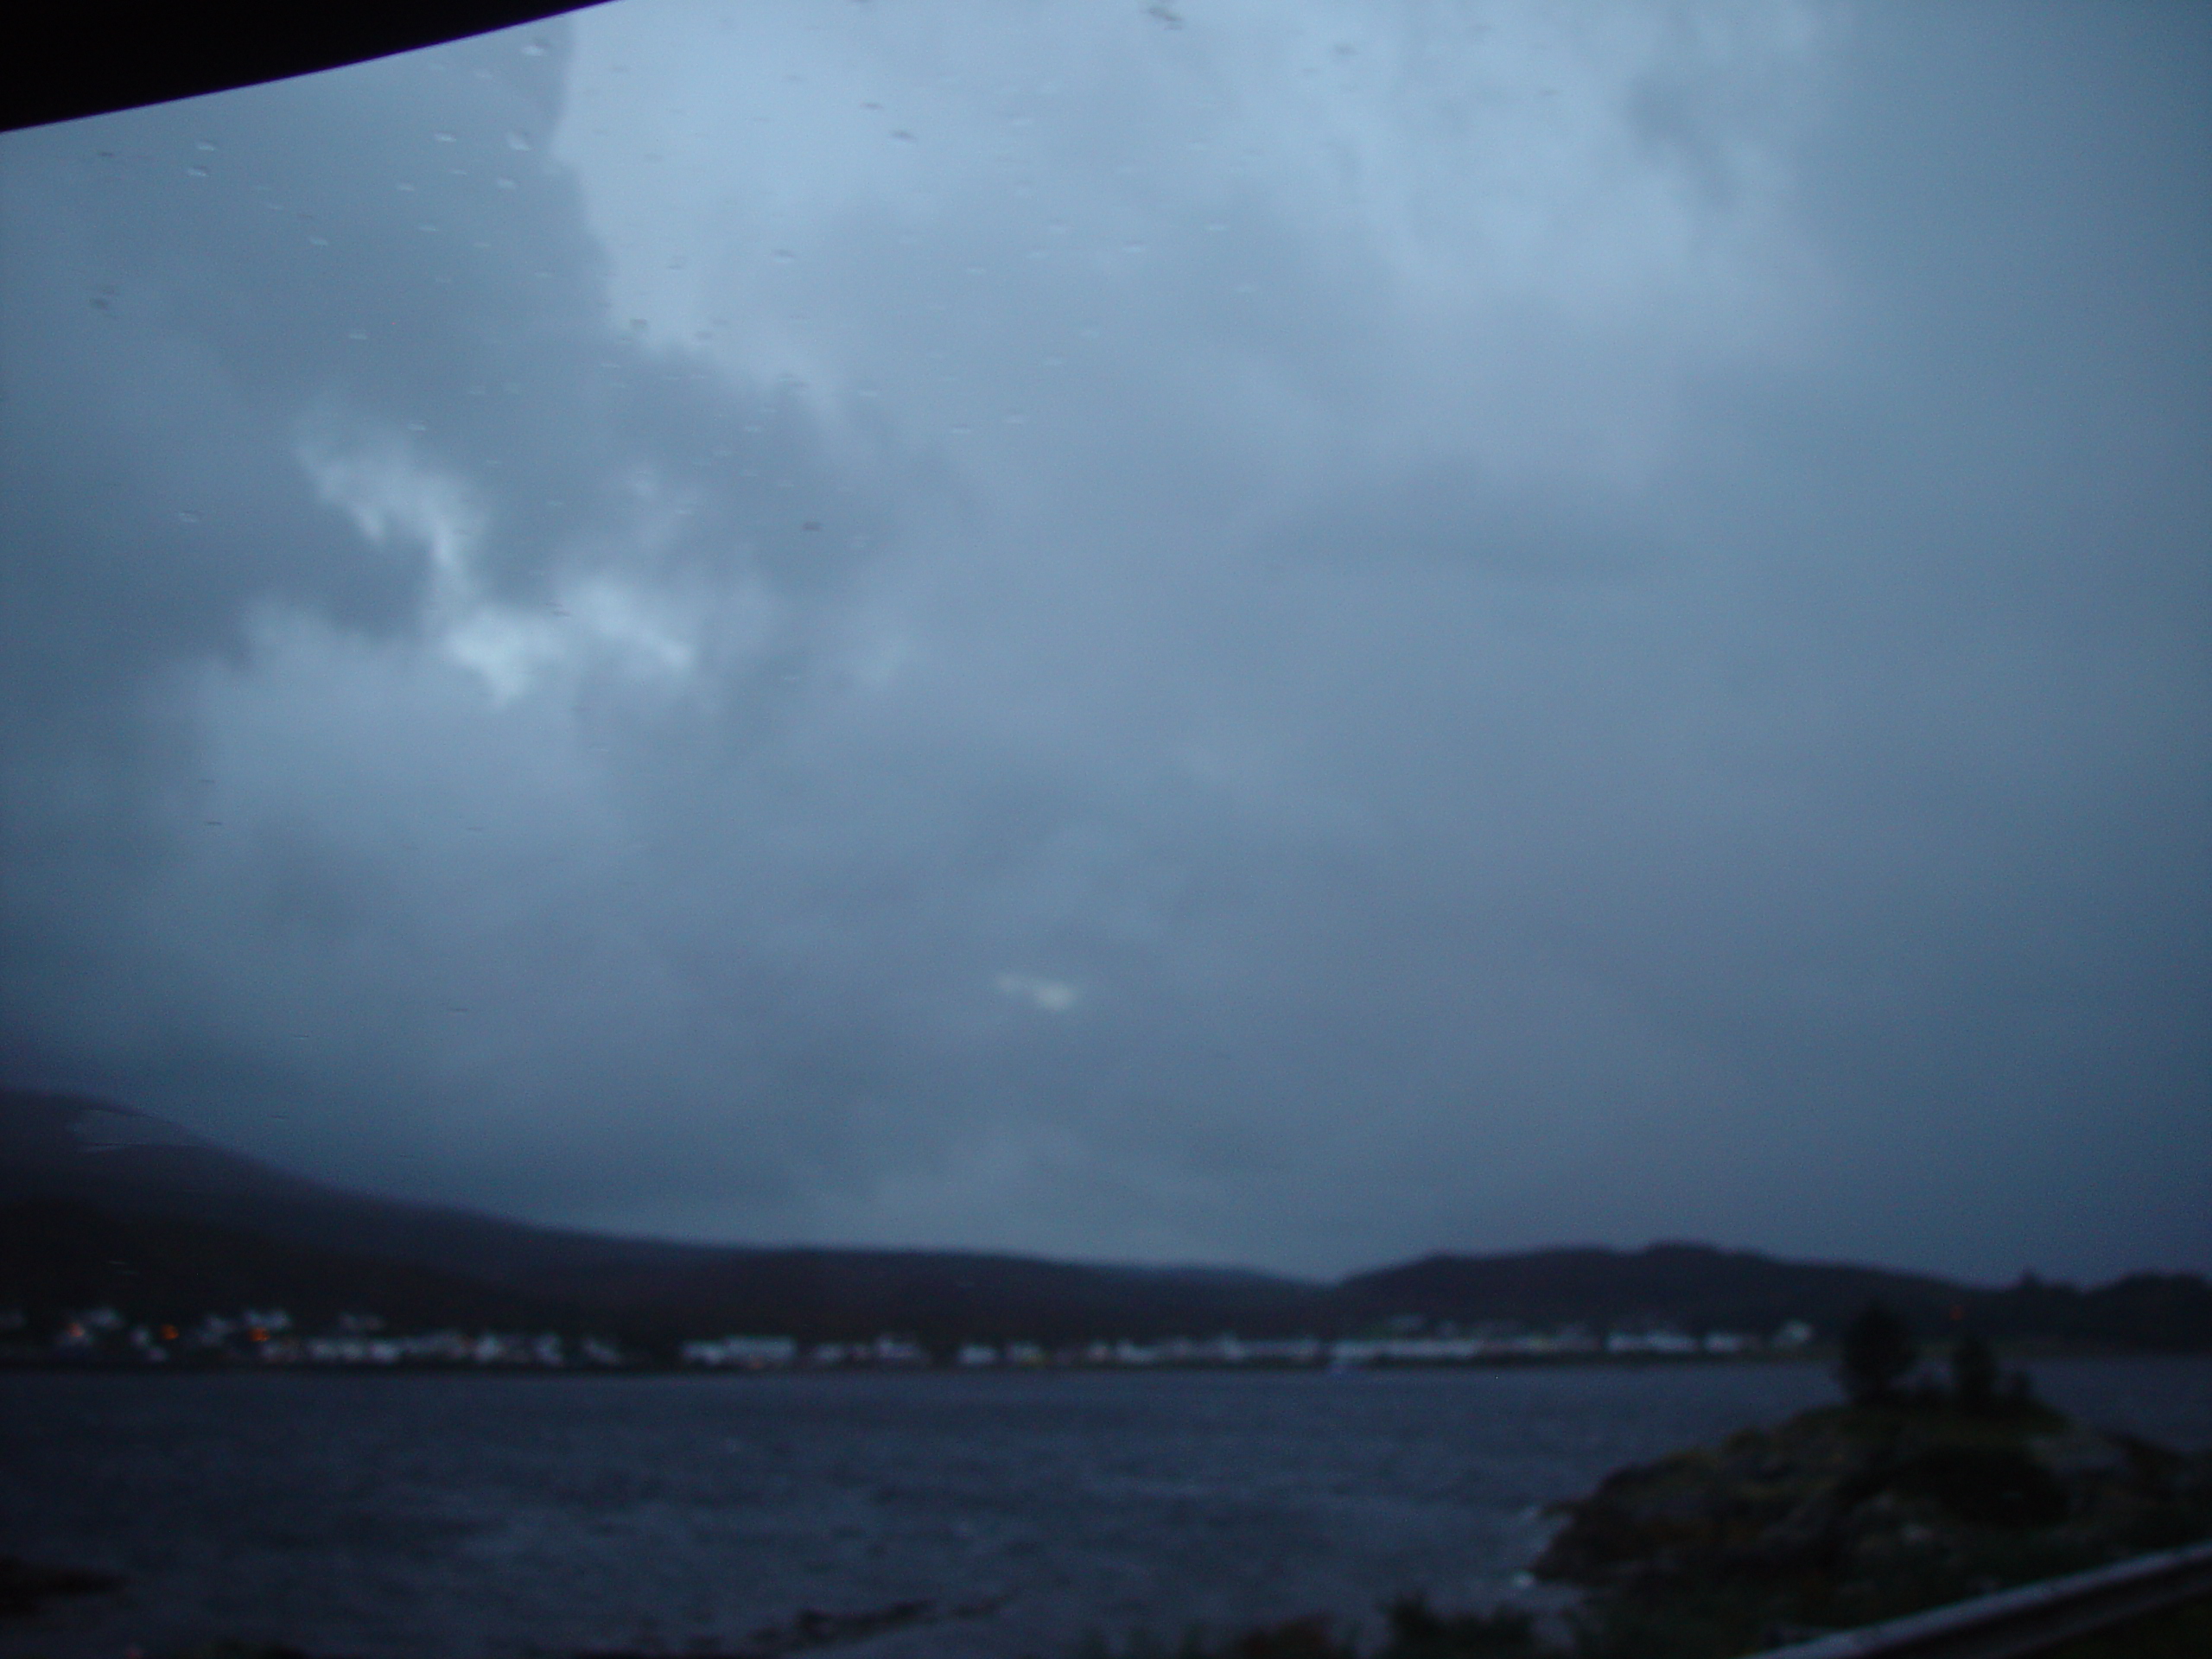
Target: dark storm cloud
{"points": [[1294, 641], [384, 258], [385, 247], [1452, 512]]}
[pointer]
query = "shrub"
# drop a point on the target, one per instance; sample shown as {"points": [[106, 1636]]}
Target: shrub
{"points": [[1878, 1351], [1419, 1631], [1973, 1375]]}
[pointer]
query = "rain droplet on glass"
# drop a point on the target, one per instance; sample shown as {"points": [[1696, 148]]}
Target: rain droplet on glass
{"points": [[516, 141], [503, 182], [442, 138], [196, 172]]}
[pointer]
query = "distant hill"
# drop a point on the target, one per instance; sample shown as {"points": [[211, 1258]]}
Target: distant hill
{"points": [[1697, 1287], [57, 1255], [99, 1202], [1694, 1285], [121, 1166]]}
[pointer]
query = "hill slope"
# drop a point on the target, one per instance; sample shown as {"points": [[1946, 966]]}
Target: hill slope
{"points": [[124, 1165], [1697, 1287], [100, 1202]]}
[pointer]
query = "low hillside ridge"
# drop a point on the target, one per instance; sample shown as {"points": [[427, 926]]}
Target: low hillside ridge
{"points": [[100, 1204]]}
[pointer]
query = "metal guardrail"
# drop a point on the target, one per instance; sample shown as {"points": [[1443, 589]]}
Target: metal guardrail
{"points": [[2032, 1619]]}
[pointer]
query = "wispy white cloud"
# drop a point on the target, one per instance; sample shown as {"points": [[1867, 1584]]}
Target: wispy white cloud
{"points": [[395, 497], [1045, 995]]}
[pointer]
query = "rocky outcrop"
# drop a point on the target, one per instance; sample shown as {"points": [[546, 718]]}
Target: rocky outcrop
{"points": [[1845, 1516]]}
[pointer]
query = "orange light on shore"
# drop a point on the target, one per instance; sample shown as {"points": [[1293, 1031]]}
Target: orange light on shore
{"points": [[169, 1333], [260, 1335]]}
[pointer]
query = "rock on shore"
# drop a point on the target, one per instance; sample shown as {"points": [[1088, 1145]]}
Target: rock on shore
{"points": [[1852, 1514]]}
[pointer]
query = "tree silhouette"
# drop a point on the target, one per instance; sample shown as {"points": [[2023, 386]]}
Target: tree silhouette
{"points": [[1878, 1351], [1973, 1374]]}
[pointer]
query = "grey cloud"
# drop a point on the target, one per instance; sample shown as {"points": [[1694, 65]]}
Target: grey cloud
{"points": [[1452, 512], [1441, 749]]}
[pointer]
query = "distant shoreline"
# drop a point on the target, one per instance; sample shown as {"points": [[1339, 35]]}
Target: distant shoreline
{"points": [[126, 1242], [1820, 1357]]}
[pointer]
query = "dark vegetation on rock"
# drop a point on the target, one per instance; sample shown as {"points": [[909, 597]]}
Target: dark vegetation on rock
{"points": [[812, 1628], [27, 1586], [2182, 1632], [1856, 1514], [1878, 1351], [1416, 1630]]}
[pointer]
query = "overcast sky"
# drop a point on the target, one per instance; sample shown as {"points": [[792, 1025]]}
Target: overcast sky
{"points": [[1247, 633]]}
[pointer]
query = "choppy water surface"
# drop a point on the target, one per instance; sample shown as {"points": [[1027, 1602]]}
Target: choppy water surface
{"points": [[432, 1516]]}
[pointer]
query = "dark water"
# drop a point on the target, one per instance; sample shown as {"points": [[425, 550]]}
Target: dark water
{"points": [[432, 1516]]}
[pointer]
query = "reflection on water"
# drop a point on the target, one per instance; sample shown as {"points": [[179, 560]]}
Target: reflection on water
{"points": [[429, 1514]]}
